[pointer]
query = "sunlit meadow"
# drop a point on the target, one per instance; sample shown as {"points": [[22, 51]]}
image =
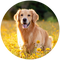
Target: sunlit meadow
{"points": [[9, 37]]}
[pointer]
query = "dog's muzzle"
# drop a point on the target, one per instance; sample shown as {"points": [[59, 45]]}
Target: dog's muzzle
{"points": [[24, 20], [25, 24]]}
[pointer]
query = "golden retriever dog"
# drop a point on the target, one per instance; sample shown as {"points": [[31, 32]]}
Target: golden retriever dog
{"points": [[28, 32]]}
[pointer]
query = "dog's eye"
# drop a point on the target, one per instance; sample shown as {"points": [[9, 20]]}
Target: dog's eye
{"points": [[28, 15], [21, 14]]}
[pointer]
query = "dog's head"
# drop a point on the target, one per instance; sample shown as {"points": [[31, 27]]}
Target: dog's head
{"points": [[26, 17]]}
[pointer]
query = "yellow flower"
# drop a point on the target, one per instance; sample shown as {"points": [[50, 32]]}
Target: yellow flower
{"points": [[33, 54], [18, 50], [31, 57], [12, 47], [23, 56], [28, 54], [37, 56], [22, 53], [38, 49], [47, 48], [37, 53], [38, 42], [41, 51], [57, 30], [54, 41]]}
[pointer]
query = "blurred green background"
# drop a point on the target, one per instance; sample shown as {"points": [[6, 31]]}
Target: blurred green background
{"points": [[44, 12]]}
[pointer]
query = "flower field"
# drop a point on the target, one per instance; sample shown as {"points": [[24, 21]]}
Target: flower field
{"points": [[9, 37]]}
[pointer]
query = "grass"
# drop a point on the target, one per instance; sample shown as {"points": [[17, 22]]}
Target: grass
{"points": [[9, 37]]}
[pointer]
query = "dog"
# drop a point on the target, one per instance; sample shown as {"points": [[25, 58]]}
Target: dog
{"points": [[29, 32]]}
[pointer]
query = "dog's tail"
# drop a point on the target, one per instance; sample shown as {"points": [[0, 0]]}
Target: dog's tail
{"points": [[51, 39]]}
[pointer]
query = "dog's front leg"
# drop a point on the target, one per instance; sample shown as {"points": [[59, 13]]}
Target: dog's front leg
{"points": [[30, 48]]}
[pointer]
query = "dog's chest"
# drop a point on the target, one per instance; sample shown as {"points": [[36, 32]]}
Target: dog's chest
{"points": [[25, 37], [30, 40]]}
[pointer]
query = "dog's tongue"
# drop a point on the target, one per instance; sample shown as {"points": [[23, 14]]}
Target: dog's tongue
{"points": [[24, 25]]}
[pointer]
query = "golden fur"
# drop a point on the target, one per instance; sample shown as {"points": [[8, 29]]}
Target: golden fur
{"points": [[33, 33]]}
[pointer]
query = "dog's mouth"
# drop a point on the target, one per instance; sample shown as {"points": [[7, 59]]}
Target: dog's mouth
{"points": [[25, 25]]}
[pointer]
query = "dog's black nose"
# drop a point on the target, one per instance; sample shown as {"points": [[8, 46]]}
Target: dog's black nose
{"points": [[24, 20]]}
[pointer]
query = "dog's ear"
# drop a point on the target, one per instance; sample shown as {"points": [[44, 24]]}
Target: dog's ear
{"points": [[35, 15], [17, 15]]}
